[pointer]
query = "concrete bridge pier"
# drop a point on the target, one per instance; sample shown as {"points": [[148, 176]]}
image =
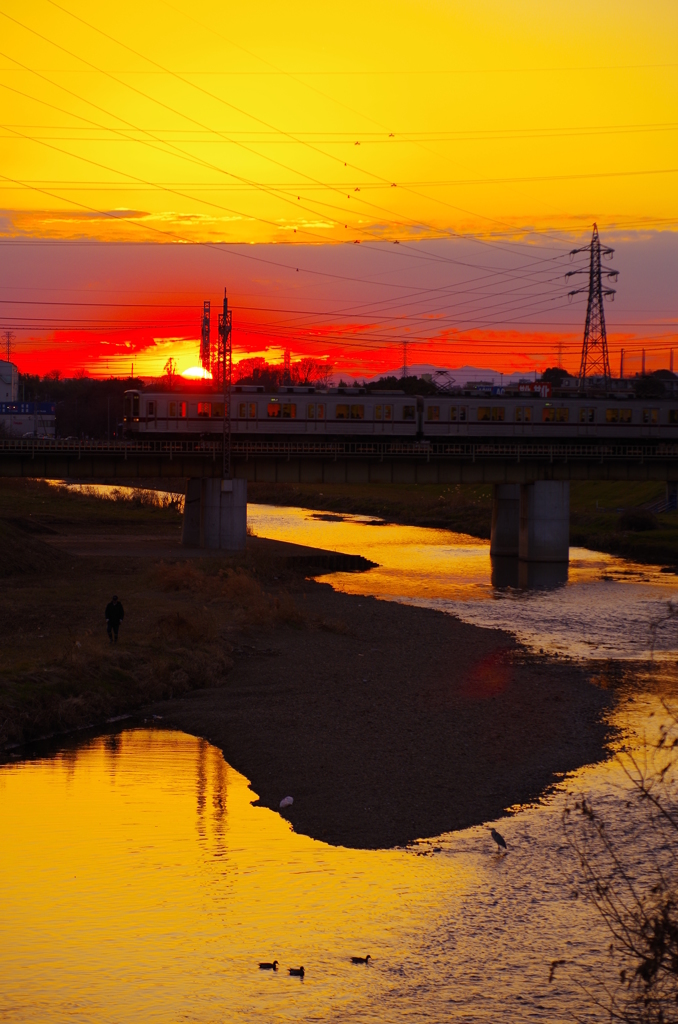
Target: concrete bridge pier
{"points": [[215, 514], [505, 521], [531, 521], [544, 521]]}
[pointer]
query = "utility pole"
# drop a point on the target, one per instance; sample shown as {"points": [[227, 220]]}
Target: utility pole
{"points": [[595, 358], [205, 336], [621, 365], [9, 338], [287, 366], [225, 371]]}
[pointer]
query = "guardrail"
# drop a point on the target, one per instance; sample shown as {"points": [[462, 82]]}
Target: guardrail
{"points": [[348, 449]]}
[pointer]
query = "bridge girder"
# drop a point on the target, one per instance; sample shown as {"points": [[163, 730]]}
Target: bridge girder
{"points": [[292, 469]]}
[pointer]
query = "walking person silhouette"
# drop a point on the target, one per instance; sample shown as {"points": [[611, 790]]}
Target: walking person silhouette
{"points": [[114, 613]]}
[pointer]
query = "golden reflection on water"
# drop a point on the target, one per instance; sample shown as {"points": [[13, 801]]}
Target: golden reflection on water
{"points": [[138, 883], [412, 560], [598, 606]]}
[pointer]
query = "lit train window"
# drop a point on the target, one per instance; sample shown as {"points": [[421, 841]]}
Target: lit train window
{"points": [[650, 415], [519, 414], [204, 408], [498, 413], [673, 415], [433, 412], [562, 415], [342, 412], [172, 409], [378, 412], [183, 410], [463, 414], [252, 410], [625, 415], [548, 414], [408, 412], [274, 407], [388, 412], [587, 415], [484, 413], [611, 415], [242, 410], [310, 412], [321, 412], [289, 411], [217, 409], [453, 413], [357, 412]]}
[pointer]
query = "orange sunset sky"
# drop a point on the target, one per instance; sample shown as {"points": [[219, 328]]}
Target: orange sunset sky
{"points": [[357, 176]]}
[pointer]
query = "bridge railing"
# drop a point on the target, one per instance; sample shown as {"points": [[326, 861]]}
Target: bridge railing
{"points": [[212, 449]]}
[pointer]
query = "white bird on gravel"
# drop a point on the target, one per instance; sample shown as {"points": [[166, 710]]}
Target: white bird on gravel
{"points": [[286, 801]]}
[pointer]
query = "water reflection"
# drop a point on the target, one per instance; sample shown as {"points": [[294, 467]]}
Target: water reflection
{"points": [[597, 607], [137, 898], [511, 573]]}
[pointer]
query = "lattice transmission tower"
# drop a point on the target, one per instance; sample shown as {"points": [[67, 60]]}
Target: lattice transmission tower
{"points": [[595, 358], [205, 336], [222, 376]]}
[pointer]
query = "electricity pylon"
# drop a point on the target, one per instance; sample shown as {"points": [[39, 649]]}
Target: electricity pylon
{"points": [[595, 359], [9, 338], [205, 336], [222, 373]]}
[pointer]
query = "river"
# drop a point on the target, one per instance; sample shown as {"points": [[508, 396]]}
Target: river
{"points": [[139, 884]]}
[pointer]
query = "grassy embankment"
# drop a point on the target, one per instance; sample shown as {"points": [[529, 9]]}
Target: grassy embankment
{"points": [[183, 620], [597, 518]]}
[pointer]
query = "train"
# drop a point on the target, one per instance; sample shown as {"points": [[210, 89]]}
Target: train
{"points": [[296, 413]]}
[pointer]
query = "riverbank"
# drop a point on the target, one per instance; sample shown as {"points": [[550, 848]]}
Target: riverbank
{"points": [[391, 723], [597, 512], [385, 722]]}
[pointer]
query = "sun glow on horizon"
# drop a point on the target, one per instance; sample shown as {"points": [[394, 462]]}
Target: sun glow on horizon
{"points": [[196, 373]]}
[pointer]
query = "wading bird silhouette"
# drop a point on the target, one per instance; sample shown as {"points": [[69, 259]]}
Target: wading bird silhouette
{"points": [[499, 840]]}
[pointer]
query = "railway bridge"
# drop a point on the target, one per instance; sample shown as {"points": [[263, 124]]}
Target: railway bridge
{"points": [[531, 479]]}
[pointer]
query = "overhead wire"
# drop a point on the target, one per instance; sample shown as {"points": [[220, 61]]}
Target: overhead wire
{"points": [[152, 184]]}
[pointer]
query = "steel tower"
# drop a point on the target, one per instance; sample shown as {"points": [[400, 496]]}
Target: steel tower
{"points": [[595, 358], [222, 375], [205, 336]]}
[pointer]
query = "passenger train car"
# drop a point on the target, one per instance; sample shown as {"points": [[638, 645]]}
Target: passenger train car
{"points": [[307, 413]]}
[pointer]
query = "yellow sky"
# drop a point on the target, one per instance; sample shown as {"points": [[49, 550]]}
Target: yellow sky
{"points": [[307, 122]]}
